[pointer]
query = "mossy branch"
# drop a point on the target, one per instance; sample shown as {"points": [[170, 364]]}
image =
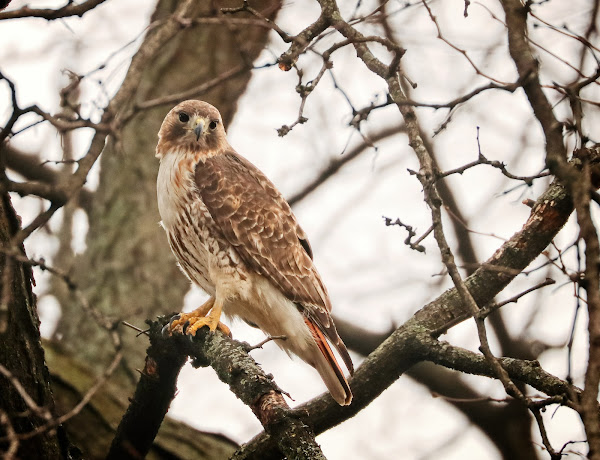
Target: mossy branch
{"points": [[234, 366]]}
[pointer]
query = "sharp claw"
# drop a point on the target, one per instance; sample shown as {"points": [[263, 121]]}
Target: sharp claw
{"points": [[191, 338], [186, 325], [165, 330], [174, 318]]}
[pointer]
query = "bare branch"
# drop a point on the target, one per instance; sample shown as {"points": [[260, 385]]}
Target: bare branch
{"points": [[336, 164], [70, 9], [32, 168], [37, 410]]}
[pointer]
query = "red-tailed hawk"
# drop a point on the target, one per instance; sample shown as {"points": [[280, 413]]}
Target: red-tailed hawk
{"points": [[235, 236]]}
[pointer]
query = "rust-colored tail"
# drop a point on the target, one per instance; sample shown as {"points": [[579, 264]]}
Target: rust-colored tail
{"points": [[328, 367]]}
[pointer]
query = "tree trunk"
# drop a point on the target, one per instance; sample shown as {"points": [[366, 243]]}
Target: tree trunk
{"points": [[22, 355]]}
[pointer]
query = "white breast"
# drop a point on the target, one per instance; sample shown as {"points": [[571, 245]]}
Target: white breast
{"points": [[182, 212], [170, 197]]}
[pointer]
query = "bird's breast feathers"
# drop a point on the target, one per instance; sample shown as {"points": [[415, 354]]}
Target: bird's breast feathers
{"points": [[175, 186], [203, 254]]}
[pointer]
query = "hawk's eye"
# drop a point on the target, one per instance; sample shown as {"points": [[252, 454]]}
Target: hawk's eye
{"points": [[213, 124], [184, 117]]}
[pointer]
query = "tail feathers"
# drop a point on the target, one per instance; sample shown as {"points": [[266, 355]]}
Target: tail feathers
{"points": [[328, 367]]}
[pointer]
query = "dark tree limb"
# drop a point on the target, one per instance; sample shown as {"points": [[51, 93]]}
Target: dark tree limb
{"points": [[26, 402], [153, 395], [230, 360], [247, 380], [516, 14]]}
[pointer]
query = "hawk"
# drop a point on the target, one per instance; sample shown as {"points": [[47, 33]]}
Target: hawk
{"points": [[235, 236]]}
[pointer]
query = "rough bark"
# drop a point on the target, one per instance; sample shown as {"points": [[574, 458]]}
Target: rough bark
{"points": [[94, 428], [234, 367], [22, 355]]}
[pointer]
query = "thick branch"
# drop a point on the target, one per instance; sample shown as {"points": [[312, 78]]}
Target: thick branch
{"points": [[529, 372], [233, 366], [153, 395]]}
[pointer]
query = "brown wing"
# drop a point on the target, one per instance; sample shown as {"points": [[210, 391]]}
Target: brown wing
{"points": [[255, 218], [258, 222]]}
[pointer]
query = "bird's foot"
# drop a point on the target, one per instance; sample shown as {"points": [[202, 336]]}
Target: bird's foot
{"points": [[189, 323]]}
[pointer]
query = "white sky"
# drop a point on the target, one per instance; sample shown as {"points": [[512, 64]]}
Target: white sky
{"points": [[373, 278]]}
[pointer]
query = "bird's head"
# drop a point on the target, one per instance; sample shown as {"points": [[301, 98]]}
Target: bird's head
{"points": [[192, 127]]}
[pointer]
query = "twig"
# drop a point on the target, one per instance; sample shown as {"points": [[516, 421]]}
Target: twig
{"points": [[11, 435], [262, 19], [540, 423], [451, 45], [482, 160], [135, 328], [488, 309], [411, 233], [260, 344]]}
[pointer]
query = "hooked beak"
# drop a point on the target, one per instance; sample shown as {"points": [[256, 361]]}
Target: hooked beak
{"points": [[198, 127]]}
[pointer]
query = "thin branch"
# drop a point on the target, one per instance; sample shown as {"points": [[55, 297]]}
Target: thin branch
{"points": [[27, 399], [190, 93], [415, 245], [454, 47], [32, 168], [263, 20], [53, 423], [70, 9], [335, 165], [488, 309]]}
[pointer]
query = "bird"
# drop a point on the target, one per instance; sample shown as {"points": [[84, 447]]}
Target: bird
{"points": [[235, 236]]}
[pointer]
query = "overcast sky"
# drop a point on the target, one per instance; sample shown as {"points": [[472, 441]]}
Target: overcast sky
{"points": [[373, 278]]}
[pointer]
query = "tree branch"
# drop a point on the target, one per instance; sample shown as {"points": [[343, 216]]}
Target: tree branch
{"points": [[233, 366], [31, 168], [153, 395], [70, 9]]}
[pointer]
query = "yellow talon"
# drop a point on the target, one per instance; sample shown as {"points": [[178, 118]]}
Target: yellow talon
{"points": [[189, 323]]}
